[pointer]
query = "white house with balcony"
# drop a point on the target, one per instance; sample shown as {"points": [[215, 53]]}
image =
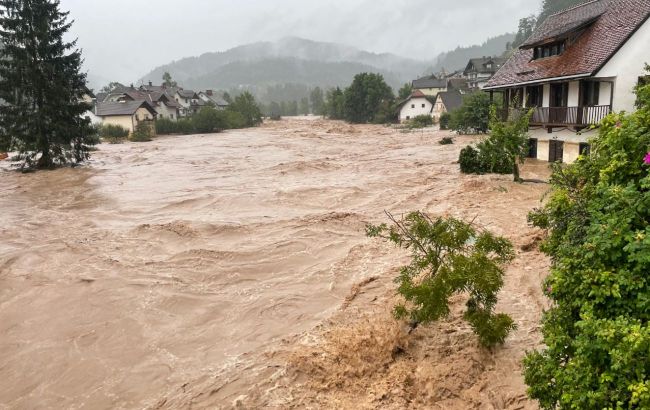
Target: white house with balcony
{"points": [[479, 71], [578, 66]]}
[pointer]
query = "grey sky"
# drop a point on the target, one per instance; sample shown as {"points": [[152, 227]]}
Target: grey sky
{"points": [[124, 39]]}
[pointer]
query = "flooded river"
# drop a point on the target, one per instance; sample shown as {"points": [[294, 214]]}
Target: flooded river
{"points": [[193, 270]]}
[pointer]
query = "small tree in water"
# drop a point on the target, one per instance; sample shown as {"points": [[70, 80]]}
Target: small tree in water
{"points": [[449, 257], [42, 86]]}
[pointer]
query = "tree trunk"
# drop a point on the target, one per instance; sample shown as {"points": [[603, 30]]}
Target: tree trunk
{"points": [[515, 172]]}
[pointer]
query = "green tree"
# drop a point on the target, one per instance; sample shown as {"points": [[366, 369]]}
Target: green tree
{"points": [[526, 28], [304, 106], [111, 86], [473, 116], [317, 101], [209, 120], [42, 86], [597, 331], [275, 111], [364, 97], [167, 80], [292, 108], [248, 108], [405, 91], [450, 257], [334, 104]]}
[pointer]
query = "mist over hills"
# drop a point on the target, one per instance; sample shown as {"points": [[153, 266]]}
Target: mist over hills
{"points": [[309, 63]]}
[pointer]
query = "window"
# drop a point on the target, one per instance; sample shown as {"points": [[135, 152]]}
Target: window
{"points": [[549, 50], [585, 149], [412, 105], [590, 93], [423, 105], [534, 96], [532, 148]]}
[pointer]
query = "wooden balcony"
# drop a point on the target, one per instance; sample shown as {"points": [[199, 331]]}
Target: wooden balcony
{"points": [[569, 116]]}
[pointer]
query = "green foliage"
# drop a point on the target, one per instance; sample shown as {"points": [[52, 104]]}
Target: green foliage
{"points": [[421, 121], [450, 257], [473, 117], [334, 104], [446, 141], [526, 28], [304, 106], [503, 150], [364, 97], [113, 134], [275, 111], [597, 332], [445, 117], [111, 86], [246, 106], [142, 132], [167, 80], [210, 120], [317, 100], [41, 86], [405, 91], [553, 6]]}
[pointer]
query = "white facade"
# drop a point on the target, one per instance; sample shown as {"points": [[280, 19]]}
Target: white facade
{"points": [[415, 106]]}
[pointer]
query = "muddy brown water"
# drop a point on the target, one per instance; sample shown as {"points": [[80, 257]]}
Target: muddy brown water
{"points": [[192, 271]]}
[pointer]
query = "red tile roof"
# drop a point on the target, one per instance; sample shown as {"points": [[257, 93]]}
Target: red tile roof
{"points": [[615, 22]]}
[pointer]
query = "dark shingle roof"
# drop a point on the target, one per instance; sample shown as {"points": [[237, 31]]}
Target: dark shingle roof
{"points": [[108, 109], [451, 99], [480, 64], [430, 82], [591, 50], [186, 93]]}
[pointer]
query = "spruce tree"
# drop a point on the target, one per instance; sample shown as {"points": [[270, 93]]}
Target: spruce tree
{"points": [[42, 86]]}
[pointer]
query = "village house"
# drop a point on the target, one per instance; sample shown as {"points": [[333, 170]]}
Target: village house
{"points": [[577, 67], [446, 102], [430, 85], [127, 114], [189, 101], [417, 104], [479, 71], [209, 97]]}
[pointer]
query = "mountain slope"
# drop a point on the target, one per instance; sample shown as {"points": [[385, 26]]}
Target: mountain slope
{"points": [[457, 59]]}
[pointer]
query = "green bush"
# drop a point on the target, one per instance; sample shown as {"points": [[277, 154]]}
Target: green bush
{"points": [[235, 120], [113, 134], [446, 141], [248, 110], [142, 132], [165, 126], [470, 161], [445, 117], [420, 121], [597, 331], [210, 120], [473, 117], [450, 257]]}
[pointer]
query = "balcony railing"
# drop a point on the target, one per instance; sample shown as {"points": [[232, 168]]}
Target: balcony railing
{"points": [[576, 116]]}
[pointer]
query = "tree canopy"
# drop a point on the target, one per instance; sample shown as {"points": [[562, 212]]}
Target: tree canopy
{"points": [[365, 96]]}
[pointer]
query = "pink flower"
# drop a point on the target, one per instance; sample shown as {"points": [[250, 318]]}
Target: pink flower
{"points": [[646, 160]]}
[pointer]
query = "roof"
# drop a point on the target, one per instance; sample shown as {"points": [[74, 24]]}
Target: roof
{"points": [[108, 109], [459, 84], [416, 94], [451, 99], [218, 101], [430, 82], [186, 93], [481, 64], [609, 24]]}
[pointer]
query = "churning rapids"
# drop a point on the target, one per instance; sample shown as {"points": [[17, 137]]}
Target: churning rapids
{"points": [[233, 270]]}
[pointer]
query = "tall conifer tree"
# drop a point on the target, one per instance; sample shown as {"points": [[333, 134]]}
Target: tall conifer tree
{"points": [[42, 86]]}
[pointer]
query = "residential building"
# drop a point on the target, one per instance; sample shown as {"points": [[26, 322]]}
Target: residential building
{"points": [[127, 114], [446, 102], [209, 97], [578, 66], [417, 104], [430, 85], [479, 71], [189, 101]]}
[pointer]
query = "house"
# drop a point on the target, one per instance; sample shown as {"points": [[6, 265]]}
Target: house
{"points": [[189, 101], [417, 104], [157, 96], [127, 114], [479, 70], [447, 102], [578, 66], [210, 97], [430, 85]]}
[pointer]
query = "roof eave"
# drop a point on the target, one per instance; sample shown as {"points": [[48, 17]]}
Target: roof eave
{"points": [[538, 81]]}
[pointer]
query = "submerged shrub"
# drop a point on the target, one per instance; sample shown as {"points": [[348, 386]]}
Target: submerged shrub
{"points": [[449, 257], [421, 121], [142, 132], [445, 117], [446, 141], [113, 134]]}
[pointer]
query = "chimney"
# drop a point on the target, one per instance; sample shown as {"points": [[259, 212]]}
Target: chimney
{"points": [[209, 92]]}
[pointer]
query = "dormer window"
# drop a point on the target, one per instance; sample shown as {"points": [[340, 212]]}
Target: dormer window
{"points": [[549, 50]]}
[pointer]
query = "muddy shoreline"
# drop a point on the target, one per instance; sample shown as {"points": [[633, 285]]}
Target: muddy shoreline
{"points": [[232, 270]]}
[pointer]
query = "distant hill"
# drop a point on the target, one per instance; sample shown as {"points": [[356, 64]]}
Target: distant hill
{"points": [[457, 59]]}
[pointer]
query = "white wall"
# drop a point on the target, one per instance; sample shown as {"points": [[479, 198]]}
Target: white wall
{"points": [[627, 66], [408, 111], [546, 100], [605, 96], [125, 121], [574, 94]]}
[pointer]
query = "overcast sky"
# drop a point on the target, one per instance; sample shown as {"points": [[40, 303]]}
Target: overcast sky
{"points": [[124, 39]]}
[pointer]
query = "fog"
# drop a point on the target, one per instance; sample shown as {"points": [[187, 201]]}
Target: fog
{"points": [[123, 40]]}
